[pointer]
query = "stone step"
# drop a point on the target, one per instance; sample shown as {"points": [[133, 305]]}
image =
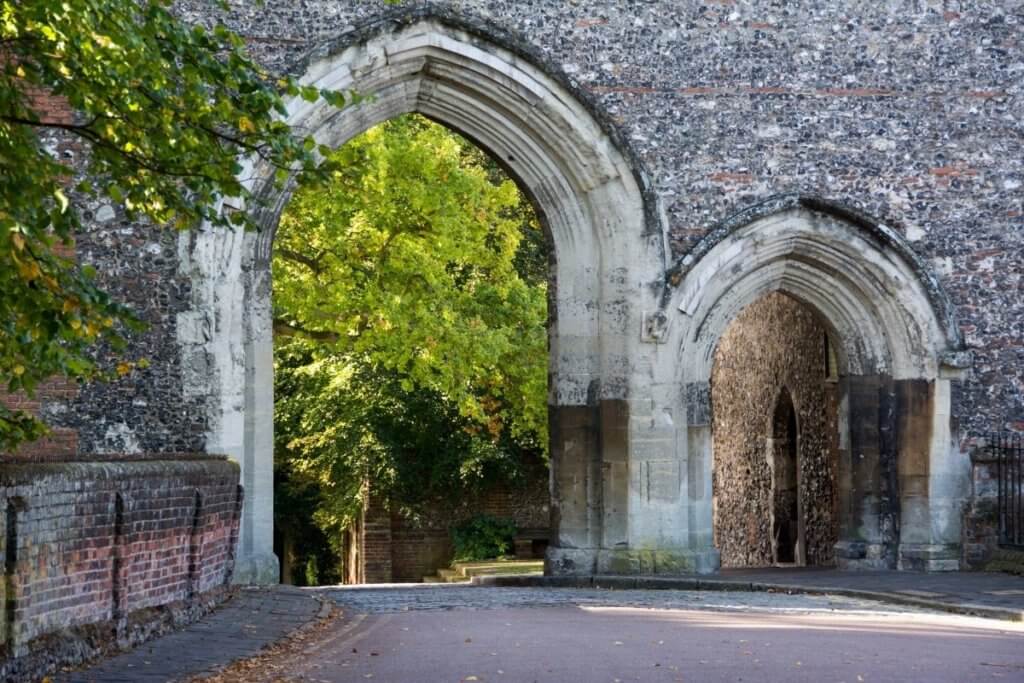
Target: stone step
{"points": [[463, 572], [450, 576], [471, 569], [1008, 560]]}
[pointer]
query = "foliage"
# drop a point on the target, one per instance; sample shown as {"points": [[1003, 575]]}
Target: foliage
{"points": [[483, 537], [410, 311], [407, 260], [163, 113], [296, 499], [341, 422]]}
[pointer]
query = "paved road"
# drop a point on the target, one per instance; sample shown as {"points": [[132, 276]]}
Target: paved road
{"points": [[463, 634]]}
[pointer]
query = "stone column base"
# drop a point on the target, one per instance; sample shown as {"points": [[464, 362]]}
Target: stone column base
{"points": [[257, 570], [858, 555], [662, 562], [570, 561], [929, 557]]}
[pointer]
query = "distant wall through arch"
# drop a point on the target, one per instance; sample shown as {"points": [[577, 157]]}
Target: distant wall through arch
{"points": [[771, 358]]}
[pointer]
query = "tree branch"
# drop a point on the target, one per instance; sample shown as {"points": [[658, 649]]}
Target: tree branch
{"points": [[289, 330], [313, 263]]}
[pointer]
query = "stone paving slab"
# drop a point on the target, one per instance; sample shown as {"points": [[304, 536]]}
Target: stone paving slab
{"points": [[252, 620], [988, 594]]}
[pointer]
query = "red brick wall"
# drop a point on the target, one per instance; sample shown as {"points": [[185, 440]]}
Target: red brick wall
{"points": [[375, 542], [390, 547], [61, 442], [50, 108], [91, 542], [980, 525]]}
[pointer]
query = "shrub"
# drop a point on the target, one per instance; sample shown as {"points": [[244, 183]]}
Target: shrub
{"points": [[483, 537]]}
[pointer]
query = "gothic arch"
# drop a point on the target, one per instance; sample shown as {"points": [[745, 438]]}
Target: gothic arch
{"points": [[898, 349], [605, 229], [888, 313]]}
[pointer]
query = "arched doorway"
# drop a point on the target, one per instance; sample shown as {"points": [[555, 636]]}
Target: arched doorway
{"points": [[774, 437], [591, 197], [894, 354]]}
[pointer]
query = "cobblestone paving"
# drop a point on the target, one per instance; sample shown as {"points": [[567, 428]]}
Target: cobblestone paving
{"points": [[249, 622], [419, 598]]}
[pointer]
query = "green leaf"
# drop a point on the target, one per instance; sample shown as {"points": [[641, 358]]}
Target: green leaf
{"points": [[165, 110]]}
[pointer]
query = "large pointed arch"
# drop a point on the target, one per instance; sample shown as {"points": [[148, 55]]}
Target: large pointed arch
{"points": [[899, 350], [590, 194]]}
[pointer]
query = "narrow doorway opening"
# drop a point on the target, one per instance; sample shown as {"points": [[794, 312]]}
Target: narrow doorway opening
{"points": [[786, 531]]}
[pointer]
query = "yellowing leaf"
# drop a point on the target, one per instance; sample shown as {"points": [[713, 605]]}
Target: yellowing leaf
{"points": [[29, 270], [62, 200]]}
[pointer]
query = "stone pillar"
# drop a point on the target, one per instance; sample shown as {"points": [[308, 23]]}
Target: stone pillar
{"points": [[698, 481], [934, 478], [862, 541], [257, 563], [575, 490]]}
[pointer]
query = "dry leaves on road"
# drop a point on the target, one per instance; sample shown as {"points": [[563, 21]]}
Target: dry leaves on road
{"points": [[273, 664]]}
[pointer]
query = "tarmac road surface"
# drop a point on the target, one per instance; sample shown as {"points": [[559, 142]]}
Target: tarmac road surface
{"points": [[396, 636]]}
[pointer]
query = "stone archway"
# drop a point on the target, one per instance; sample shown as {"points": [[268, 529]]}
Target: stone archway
{"points": [[606, 237], [902, 479]]}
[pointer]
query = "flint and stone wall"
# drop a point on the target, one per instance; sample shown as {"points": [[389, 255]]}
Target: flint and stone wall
{"points": [[773, 344]]}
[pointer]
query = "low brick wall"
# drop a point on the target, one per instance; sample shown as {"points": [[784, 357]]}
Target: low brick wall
{"points": [[90, 544]]}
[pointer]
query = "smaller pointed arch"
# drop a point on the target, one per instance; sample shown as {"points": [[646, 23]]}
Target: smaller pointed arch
{"points": [[886, 310]]}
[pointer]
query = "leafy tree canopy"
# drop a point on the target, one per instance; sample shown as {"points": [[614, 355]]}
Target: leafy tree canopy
{"points": [[341, 423], [408, 260], [164, 111], [410, 305]]}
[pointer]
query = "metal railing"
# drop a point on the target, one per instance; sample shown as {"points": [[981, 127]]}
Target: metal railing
{"points": [[1008, 452]]}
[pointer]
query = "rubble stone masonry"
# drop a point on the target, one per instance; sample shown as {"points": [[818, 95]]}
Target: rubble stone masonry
{"points": [[774, 344]]}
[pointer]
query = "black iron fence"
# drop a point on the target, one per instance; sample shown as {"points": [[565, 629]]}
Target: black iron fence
{"points": [[1008, 452]]}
